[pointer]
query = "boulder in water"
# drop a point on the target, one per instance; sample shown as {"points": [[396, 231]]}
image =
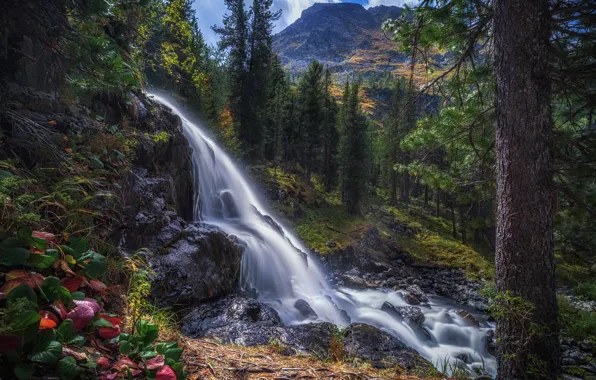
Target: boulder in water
{"points": [[381, 349], [305, 309]]}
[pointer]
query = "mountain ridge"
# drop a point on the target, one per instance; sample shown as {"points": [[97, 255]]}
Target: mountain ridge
{"points": [[344, 36]]}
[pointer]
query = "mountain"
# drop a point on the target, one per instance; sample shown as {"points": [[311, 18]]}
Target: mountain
{"points": [[345, 36]]}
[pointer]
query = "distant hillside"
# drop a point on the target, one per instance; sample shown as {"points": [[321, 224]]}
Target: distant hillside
{"points": [[347, 38]]}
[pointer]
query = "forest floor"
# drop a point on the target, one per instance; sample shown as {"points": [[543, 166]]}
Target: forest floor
{"points": [[207, 359]]}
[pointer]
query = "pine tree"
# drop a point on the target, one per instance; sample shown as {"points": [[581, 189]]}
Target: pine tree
{"points": [[330, 135], [259, 65], [234, 35], [353, 150], [310, 116]]}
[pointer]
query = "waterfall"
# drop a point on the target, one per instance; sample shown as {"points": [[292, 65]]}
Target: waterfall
{"points": [[279, 270]]}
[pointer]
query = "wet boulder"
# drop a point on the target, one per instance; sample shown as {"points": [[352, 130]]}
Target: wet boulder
{"points": [[381, 349], [305, 309], [235, 320], [200, 262]]}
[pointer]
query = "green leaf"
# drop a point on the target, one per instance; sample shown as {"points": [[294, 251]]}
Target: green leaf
{"points": [[179, 369], [26, 325], [50, 355], [4, 174], [22, 291], [42, 261], [68, 250], [78, 246], [162, 347], [148, 331], [26, 237], [78, 341], [24, 371], [174, 354], [123, 337], [148, 354], [95, 162], [13, 255], [125, 347], [96, 268], [65, 330], [65, 296], [79, 296], [43, 340], [51, 288], [68, 369], [101, 322]]}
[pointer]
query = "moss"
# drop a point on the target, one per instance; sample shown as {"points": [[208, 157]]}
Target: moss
{"points": [[586, 290], [329, 224]]}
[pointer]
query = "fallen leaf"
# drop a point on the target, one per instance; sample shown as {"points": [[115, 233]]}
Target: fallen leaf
{"points": [[58, 306], [155, 363], [97, 285], [36, 251], [47, 236], [65, 268], [75, 353], [68, 150], [52, 122], [165, 373], [71, 283], [103, 362], [123, 364]]}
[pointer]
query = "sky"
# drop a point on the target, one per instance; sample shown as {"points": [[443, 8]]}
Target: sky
{"points": [[210, 12]]}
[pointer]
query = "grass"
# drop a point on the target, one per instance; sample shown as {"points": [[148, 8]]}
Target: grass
{"points": [[577, 324], [207, 359], [586, 290]]}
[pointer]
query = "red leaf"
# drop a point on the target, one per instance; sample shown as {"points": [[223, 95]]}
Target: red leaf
{"points": [[71, 283], [109, 332], [17, 277], [113, 320], [124, 363], [60, 309], [47, 236], [112, 376], [52, 122], [165, 373], [103, 362], [97, 285], [81, 316], [155, 363], [89, 302], [136, 372], [9, 343], [48, 320]]}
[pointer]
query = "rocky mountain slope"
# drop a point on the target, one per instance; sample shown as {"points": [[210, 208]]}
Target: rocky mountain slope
{"points": [[345, 36]]}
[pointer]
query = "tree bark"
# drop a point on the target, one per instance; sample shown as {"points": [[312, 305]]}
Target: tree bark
{"points": [[529, 345]]}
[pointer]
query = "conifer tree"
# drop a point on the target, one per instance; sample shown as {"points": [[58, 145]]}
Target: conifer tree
{"points": [[311, 116], [330, 135], [353, 150]]}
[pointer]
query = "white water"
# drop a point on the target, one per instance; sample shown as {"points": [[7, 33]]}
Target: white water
{"points": [[274, 266]]}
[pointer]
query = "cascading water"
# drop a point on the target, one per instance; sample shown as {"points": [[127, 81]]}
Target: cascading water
{"points": [[279, 269]]}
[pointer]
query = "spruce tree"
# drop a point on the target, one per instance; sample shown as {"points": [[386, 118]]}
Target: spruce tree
{"points": [[330, 135], [353, 150], [310, 116], [234, 36]]}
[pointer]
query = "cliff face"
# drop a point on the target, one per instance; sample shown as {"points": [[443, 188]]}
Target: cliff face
{"points": [[345, 36]]}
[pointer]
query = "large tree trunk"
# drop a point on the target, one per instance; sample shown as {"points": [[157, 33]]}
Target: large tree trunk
{"points": [[529, 346]]}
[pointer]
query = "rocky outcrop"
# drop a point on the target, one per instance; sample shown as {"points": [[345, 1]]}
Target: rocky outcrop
{"points": [[246, 321], [198, 263], [368, 343]]}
